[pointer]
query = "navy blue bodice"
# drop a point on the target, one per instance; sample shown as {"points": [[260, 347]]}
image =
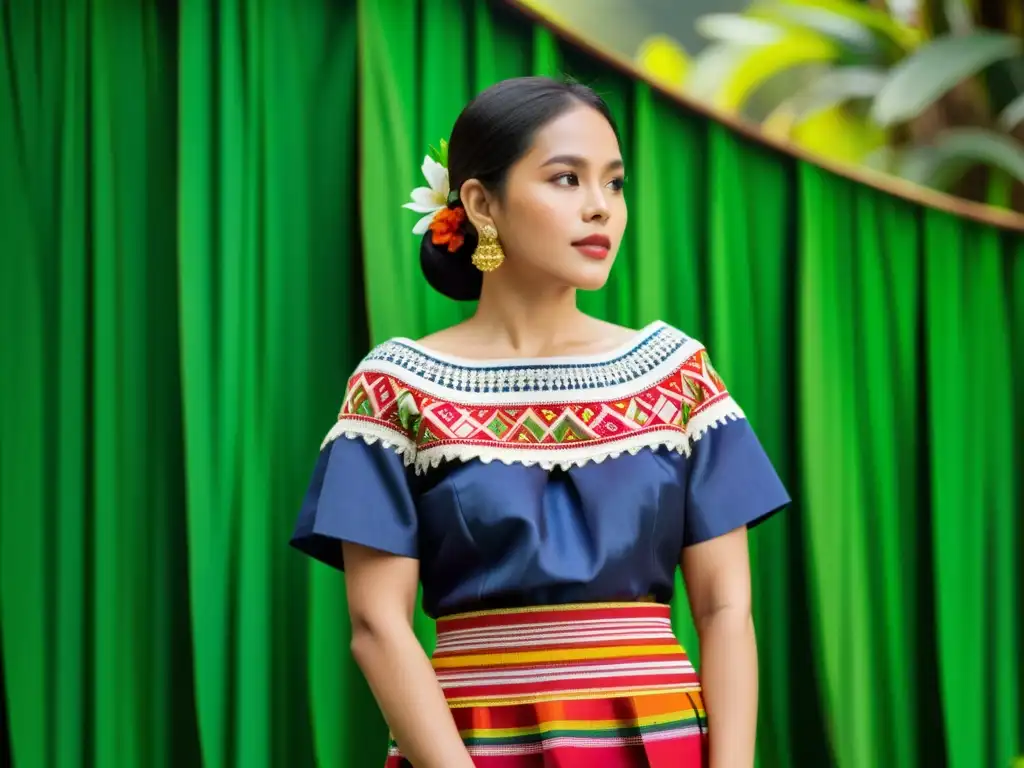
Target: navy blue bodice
{"points": [[494, 535]]}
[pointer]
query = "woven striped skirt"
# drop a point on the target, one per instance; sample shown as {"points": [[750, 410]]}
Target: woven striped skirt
{"points": [[595, 686]]}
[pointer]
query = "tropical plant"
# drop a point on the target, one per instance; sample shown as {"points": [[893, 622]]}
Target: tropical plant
{"points": [[940, 103]]}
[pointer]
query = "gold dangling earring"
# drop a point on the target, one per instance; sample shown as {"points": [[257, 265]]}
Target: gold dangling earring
{"points": [[489, 254]]}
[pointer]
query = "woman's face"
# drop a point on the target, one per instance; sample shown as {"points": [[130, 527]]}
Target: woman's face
{"points": [[562, 215]]}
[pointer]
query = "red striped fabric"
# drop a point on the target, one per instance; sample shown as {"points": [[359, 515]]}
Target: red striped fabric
{"points": [[565, 686]]}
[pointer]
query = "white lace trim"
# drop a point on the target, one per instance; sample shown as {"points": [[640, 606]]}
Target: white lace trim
{"points": [[659, 352], [555, 457], [371, 432]]}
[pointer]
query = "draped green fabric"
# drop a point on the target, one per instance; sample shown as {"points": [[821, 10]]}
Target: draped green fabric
{"points": [[201, 235]]}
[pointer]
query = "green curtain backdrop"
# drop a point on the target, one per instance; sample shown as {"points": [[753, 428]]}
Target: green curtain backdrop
{"points": [[200, 235]]}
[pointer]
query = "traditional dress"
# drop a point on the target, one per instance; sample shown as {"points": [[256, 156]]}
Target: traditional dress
{"points": [[548, 502]]}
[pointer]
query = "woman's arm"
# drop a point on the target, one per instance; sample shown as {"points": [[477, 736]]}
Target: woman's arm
{"points": [[381, 598], [717, 575]]}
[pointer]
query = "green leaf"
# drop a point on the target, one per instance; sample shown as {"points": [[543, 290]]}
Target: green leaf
{"points": [[881, 159], [738, 29], [1013, 114], [926, 75], [761, 66], [440, 155], [942, 163], [838, 86], [782, 90], [958, 16], [836, 26], [858, 27], [712, 68]]}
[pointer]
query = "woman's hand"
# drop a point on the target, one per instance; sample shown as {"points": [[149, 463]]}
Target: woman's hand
{"points": [[381, 598]]}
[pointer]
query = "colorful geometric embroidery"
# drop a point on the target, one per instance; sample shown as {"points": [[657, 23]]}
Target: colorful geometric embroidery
{"points": [[670, 409]]}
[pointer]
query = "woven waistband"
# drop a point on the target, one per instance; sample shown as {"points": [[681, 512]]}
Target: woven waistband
{"points": [[528, 655]]}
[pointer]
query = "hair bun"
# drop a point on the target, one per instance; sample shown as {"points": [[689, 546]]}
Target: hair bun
{"points": [[452, 274]]}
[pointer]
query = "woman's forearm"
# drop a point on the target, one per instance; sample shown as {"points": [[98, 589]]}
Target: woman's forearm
{"points": [[728, 653], [403, 682]]}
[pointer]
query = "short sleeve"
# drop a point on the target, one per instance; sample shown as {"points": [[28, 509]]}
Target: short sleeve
{"points": [[730, 479], [360, 490]]}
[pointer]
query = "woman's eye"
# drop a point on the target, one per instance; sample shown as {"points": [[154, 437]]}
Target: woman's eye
{"points": [[568, 180], [617, 183]]}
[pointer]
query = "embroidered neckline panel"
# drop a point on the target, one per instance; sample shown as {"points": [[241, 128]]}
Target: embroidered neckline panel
{"points": [[663, 392], [653, 346]]}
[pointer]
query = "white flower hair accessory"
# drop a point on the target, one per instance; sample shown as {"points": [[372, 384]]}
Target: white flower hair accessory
{"points": [[437, 195]]}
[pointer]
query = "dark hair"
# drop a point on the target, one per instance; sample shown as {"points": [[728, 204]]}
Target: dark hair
{"points": [[493, 131]]}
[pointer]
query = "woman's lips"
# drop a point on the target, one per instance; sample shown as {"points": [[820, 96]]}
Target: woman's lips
{"points": [[594, 247]]}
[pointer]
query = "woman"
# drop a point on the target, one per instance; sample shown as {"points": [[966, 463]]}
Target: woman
{"points": [[542, 473]]}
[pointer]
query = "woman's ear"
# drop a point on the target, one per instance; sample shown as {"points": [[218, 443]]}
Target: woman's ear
{"points": [[478, 203]]}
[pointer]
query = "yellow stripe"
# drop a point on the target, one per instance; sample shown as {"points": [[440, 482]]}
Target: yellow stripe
{"points": [[646, 602], [539, 698], [567, 654], [579, 725]]}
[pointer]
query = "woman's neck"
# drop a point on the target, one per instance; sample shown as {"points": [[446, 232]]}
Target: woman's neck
{"points": [[527, 321]]}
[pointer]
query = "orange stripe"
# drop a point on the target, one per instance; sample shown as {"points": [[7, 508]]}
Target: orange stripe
{"points": [[498, 715], [594, 694], [513, 646], [540, 657]]}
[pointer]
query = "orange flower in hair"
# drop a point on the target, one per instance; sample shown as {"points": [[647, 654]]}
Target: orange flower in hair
{"points": [[446, 227]]}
